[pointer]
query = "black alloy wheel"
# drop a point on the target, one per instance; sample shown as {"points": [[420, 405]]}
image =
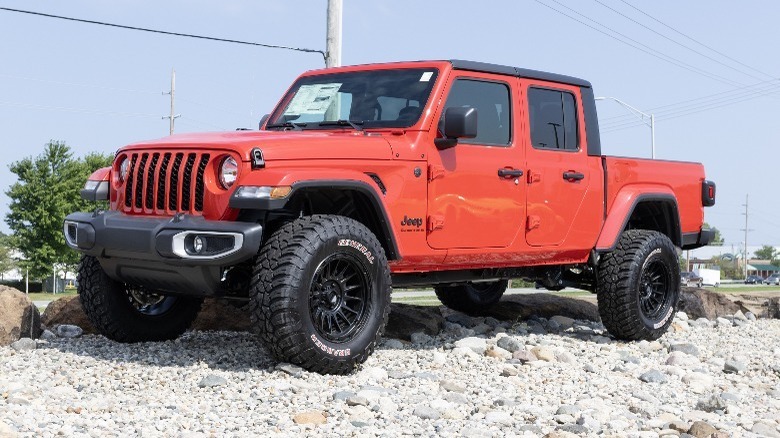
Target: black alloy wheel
{"points": [[338, 300]]}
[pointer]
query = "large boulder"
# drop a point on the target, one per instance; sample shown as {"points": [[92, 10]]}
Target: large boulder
{"points": [[406, 319], [68, 311], [523, 306], [702, 303], [19, 318]]}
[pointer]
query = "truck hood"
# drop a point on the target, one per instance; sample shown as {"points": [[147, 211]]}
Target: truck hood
{"points": [[281, 145]]}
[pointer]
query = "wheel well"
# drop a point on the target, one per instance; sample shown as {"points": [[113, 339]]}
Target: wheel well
{"points": [[657, 215], [351, 202]]}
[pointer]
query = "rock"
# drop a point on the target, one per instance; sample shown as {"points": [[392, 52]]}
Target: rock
{"points": [[478, 345], [222, 315], [702, 303], [723, 322], [481, 329], [510, 344], [18, 316], [680, 359], [523, 306], [763, 429], [498, 353], [499, 417], [212, 380], [393, 344], [456, 397], [453, 386], [357, 400], [68, 331], [460, 318], [48, 335], [543, 353], [652, 376], [68, 311], [565, 357], [293, 370], [734, 367], [750, 316], [682, 316], [573, 429], [5, 430], [685, 348], [310, 417], [738, 315], [373, 373], [773, 308], [564, 322], [524, 356], [24, 344], [406, 319], [668, 433], [711, 403], [426, 413], [464, 352], [419, 338], [702, 429], [568, 410], [343, 395], [509, 371]]}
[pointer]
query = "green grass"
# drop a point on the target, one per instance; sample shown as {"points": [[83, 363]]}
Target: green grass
{"points": [[44, 296]]}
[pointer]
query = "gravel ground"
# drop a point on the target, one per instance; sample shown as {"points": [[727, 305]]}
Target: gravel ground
{"points": [[479, 377]]}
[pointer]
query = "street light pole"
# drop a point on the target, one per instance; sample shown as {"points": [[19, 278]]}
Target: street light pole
{"points": [[642, 116]]}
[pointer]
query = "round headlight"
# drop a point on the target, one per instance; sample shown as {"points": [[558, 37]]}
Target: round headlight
{"points": [[123, 169], [228, 172]]}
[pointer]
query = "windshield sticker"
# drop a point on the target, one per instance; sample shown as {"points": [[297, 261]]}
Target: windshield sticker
{"points": [[426, 76], [312, 99]]}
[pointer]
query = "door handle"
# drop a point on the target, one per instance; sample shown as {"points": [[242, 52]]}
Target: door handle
{"points": [[510, 173], [573, 176]]}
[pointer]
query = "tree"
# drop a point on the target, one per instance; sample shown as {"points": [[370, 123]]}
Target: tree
{"points": [[718, 239], [46, 191], [7, 262], [766, 252]]}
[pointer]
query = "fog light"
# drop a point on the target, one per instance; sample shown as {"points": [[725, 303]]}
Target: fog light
{"points": [[198, 244]]}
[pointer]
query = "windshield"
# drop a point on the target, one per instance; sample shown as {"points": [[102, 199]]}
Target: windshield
{"points": [[366, 99]]}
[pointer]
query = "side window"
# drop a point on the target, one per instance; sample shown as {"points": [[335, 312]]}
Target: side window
{"points": [[491, 100], [553, 116]]}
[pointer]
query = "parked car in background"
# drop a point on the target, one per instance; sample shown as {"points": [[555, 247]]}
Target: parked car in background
{"points": [[690, 279], [710, 277], [754, 279], [773, 279]]}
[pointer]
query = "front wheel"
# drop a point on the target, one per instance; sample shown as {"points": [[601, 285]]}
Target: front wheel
{"points": [[320, 293], [127, 313], [471, 298], [639, 286]]}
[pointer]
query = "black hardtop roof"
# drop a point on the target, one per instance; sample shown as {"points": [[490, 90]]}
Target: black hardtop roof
{"points": [[485, 67]]}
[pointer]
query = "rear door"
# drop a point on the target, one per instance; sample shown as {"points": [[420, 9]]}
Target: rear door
{"points": [[470, 203], [558, 173]]}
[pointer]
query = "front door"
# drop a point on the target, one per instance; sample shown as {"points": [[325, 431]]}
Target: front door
{"points": [[558, 173], [469, 204]]}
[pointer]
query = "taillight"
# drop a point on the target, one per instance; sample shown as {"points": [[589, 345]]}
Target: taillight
{"points": [[707, 193]]}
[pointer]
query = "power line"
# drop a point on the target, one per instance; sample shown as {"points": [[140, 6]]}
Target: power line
{"points": [[675, 41], [695, 40], [647, 49], [163, 32]]}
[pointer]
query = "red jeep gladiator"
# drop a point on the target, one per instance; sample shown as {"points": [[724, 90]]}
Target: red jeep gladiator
{"points": [[455, 174]]}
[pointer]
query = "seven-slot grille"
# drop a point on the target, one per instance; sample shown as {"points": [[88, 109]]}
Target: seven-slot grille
{"points": [[165, 182]]}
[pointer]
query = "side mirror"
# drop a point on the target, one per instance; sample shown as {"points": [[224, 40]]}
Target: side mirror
{"points": [[263, 120], [459, 122]]}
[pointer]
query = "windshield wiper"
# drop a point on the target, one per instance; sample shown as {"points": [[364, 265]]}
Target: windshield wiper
{"points": [[294, 125], [343, 122]]}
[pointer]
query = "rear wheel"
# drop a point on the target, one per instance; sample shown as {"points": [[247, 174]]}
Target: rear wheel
{"points": [[127, 313], [320, 293], [639, 286], [471, 298]]}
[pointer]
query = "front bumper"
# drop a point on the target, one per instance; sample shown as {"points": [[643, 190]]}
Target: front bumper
{"points": [[158, 252]]}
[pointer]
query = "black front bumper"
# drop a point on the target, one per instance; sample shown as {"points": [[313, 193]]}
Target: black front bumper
{"points": [[150, 251]]}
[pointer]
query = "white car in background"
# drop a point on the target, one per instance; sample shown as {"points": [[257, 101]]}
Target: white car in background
{"points": [[773, 279]]}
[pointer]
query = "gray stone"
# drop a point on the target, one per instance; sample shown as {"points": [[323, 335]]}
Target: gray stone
{"points": [[723, 322], [427, 413], [685, 348], [419, 338], [630, 359], [510, 344], [563, 418], [394, 344], [730, 397], [460, 318], [576, 429], [293, 370], [456, 397], [739, 316], [563, 321], [48, 335], [734, 367], [682, 316], [764, 429], [711, 403], [426, 375], [24, 344], [524, 356], [481, 328], [568, 410], [652, 376], [68, 331], [589, 368], [212, 380], [750, 316], [478, 345], [644, 396], [600, 339], [492, 322], [509, 371], [357, 400], [452, 386], [343, 395]]}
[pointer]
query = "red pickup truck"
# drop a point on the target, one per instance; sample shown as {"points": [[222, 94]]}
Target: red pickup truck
{"points": [[455, 174]]}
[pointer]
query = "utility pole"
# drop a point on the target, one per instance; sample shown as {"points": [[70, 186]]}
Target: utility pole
{"points": [[746, 230], [642, 116], [173, 116], [333, 36]]}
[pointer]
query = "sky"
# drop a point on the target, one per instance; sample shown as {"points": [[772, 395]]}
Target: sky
{"points": [[709, 73]]}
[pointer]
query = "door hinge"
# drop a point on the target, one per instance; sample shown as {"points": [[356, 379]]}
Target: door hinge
{"points": [[435, 223], [435, 171], [534, 177], [533, 222]]}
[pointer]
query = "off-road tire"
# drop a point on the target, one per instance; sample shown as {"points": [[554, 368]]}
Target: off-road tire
{"points": [[289, 278], [630, 281], [471, 298], [109, 309]]}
